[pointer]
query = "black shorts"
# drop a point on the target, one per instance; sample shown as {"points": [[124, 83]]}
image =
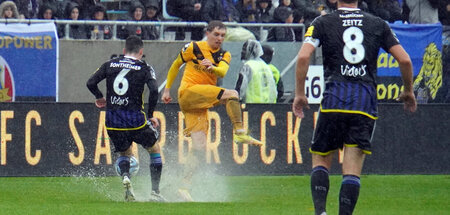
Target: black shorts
{"points": [[334, 130], [122, 140]]}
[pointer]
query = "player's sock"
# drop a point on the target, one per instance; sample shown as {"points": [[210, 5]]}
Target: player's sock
{"points": [[124, 165], [320, 184], [193, 162], [155, 170], [234, 112], [349, 193]]}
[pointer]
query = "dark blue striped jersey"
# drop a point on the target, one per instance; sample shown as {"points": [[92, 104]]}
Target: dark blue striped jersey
{"points": [[351, 40], [126, 78]]}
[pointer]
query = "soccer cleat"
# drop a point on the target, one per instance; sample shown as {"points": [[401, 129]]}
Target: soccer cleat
{"points": [[185, 195], [323, 213], [129, 194], [156, 197], [244, 138]]}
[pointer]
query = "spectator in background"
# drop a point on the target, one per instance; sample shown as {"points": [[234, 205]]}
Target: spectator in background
{"points": [[152, 15], [46, 11], [363, 5], [444, 12], [287, 3], [307, 10], [187, 10], [420, 11], [298, 18], [325, 6], [72, 12], [29, 8], [135, 13], [99, 32], [223, 10], [8, 10], [264, 11], [282, 15], [247, 10], [57, 6], [87, 7], [267, 57], [388, 10], [84, 11], [255, 83], [330, 6]]}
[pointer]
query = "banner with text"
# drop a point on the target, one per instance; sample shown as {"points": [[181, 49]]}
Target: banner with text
{"points": [[62, 139], [423, 43], [28, 62]]}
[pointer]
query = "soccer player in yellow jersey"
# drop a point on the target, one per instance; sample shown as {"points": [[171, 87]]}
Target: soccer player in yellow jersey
{"points": [[205, 62]]}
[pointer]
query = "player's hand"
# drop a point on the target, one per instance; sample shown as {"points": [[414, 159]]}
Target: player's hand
{"points": [[300, 102], [154, 122], [409, 101], [207, 63], [100, 103], [166, 96]]}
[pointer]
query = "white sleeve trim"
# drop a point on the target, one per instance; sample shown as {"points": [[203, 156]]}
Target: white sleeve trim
{"points": [[312, 41]]}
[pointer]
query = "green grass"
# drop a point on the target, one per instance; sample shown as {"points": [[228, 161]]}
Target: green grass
{"points": [[405, 194]]}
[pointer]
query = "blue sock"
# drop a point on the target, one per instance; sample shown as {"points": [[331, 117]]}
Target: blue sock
{"points": [[124, 165], [320, 184], [348, 196], [155, 170]]}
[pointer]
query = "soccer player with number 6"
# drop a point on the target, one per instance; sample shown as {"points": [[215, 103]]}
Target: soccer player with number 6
{"points": [[350, 41], [126, 121]]}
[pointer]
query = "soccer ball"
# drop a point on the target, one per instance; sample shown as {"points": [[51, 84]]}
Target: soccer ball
{"points": [[134, 166]]}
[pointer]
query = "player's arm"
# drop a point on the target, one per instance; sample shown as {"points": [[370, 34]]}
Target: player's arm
{"points": [[93, 81], [92, 85], [152, 85], [303, 58], [221, 69], [173, 71], [406, 69], [171, 75]]}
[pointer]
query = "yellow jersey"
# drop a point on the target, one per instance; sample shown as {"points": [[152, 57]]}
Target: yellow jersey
{"points": [[192, 54]]}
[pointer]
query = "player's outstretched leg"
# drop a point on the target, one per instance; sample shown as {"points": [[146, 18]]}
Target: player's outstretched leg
{"points": [[241, 136], [129, 194], [124, 166], [348, 196], [319, 189], [190, 168], [155, 174]]}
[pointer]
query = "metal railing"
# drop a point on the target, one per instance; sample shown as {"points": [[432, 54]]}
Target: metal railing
{"points": [[161, 24]]}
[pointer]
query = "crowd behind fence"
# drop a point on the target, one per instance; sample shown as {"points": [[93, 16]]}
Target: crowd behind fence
{"points": [[162, 25]]}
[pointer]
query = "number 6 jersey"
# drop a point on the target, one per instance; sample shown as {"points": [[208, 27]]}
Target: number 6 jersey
{"points": [[350, 41], [126, 78]]}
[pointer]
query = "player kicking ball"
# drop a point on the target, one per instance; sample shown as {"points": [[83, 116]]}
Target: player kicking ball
{"points": [[205, 62], [126, 121]]}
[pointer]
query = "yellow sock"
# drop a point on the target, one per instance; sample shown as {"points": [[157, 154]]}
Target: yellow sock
{"points": [[234, 112]]}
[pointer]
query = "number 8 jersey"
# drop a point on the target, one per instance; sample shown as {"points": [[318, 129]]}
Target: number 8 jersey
{"points": [[126, 78], [350, 40]]}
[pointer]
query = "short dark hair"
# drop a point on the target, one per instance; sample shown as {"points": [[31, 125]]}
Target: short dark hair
{"points": [[215, 24], [133, 44], [349, 1]]}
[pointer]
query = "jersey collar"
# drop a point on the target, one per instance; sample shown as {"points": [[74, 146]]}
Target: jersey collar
{"points": [[348, 8], [127, 56]]}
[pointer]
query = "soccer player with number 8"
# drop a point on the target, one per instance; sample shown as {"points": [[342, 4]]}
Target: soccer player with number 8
{"points": [[350, 41]]}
